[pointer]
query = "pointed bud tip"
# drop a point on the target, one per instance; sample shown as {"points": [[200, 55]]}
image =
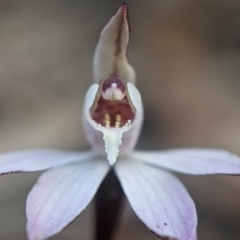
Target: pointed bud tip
{"points": [[110, 55], [123, 9], [124, 5]]}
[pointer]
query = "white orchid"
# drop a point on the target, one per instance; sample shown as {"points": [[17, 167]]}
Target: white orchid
{"points": [[112, 117]]}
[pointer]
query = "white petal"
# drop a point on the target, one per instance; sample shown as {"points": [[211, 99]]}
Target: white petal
{"points": [[36, 160], [113, 139], [192, 161], [60, 195], [110, 55], [159, 199], [90, 97], [136, 100]]}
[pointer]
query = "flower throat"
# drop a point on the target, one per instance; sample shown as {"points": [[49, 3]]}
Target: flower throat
{"points": [[113, 107]]}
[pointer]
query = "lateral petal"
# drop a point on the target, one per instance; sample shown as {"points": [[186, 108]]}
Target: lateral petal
{"points": [[192, 161], [60, 195], [159, 199], [39, 159]]}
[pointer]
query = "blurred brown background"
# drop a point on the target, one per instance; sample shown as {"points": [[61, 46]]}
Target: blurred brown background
{"points": [[187, 57]]}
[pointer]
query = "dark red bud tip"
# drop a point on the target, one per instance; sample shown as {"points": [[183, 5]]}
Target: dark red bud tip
{"points": [[124, 5], [123, 9]]}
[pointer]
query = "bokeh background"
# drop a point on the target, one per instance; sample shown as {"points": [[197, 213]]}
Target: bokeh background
{"points": [[187, 57]]}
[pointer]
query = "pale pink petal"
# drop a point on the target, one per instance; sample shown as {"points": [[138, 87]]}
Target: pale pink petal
{"points": [[110, 55], [159, 199], [36, 160], [60, 195], [192, 161]]}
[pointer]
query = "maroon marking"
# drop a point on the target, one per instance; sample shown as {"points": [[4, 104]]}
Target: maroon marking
{"points": [[118, 39], [113, 108], [113, 79], [127, 15]]}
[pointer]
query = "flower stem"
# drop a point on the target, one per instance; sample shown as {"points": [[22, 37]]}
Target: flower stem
{"points": [[109, 201]]}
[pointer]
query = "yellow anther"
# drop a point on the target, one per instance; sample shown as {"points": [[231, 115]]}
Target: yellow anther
{"points": [[107, 120], [118, 120]]}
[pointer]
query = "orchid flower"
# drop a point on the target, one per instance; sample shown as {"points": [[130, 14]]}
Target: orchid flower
{"points": [[112, 118]]}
